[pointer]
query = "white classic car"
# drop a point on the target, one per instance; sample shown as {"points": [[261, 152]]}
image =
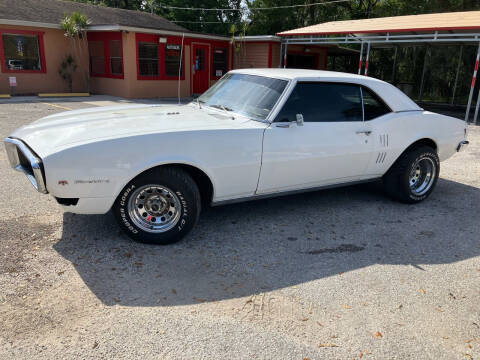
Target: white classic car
{"points": [[255, 133]]}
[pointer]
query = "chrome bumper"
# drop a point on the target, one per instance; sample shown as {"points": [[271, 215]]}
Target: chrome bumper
{"points": [[22, 159], [462, 146]]}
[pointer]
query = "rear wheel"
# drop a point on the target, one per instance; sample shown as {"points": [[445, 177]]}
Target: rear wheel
{"points": [[413, 176], [160, 206]]}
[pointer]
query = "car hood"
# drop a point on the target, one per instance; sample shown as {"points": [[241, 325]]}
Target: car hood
{"points": [[71, 128]]}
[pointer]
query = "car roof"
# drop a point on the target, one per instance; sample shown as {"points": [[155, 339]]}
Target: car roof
{"points": [[392, 96], [297, 73]]}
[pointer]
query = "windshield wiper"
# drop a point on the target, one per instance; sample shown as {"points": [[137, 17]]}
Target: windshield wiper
{"points": [[222, 107]]}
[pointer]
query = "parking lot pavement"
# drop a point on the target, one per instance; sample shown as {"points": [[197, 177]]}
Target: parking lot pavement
{"points": [[344, 274]]}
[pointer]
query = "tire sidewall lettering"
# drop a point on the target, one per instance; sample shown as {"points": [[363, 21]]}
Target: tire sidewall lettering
{"points": [[123, 212], [185, 211]]}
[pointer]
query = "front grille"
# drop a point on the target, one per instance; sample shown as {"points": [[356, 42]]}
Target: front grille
{"points": [[25, 163]]}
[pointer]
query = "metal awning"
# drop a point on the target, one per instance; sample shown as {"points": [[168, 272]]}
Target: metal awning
{"points": [[465, 20]]}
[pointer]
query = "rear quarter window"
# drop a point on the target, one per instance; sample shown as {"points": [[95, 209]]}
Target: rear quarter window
{"points": [[373, 106]]}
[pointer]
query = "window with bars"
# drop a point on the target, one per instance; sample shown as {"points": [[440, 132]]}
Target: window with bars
{"points": [[148, 59], [173, 59]]}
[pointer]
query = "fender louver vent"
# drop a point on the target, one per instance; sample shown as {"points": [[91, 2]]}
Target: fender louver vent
{"points": [[384, 140], [381, 157]]}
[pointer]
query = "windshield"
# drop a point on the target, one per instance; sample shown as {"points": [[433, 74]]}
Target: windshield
{"points": [[248, 95]]}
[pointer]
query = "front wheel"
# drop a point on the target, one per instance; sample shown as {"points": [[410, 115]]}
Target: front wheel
{"points": [[160, 206], [413, 176]]}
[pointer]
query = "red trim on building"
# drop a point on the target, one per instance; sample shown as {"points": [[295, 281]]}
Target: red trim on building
{"points": [[41, 50], [154, 38], [106, 37]]}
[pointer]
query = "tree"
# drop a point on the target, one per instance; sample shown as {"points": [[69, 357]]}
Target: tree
{"points": [[215, 22], [75, 28]]}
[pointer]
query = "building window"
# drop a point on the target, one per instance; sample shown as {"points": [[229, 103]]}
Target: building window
{"points": [[116, 59], [148, 59], [97, 57], [172, 59], [21, 52], [220, 65]]}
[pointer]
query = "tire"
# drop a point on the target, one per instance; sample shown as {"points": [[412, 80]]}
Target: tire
{"points": [[160, 206], [407, 180]]}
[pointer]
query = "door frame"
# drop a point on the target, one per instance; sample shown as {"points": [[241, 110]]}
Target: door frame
{"points": [[192, 61]]}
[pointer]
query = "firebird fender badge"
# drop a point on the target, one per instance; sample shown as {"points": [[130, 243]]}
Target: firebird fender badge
{"points": [[93, 181], [62, 182]]}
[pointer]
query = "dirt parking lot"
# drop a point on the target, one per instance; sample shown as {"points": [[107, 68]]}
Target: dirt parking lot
{"points": [[337, 274]]}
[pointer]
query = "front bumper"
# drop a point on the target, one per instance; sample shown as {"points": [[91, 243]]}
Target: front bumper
{"points": [[23, 159], [462, 145]]}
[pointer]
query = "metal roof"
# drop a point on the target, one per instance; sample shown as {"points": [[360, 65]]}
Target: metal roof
{"points": [[466, 20]]}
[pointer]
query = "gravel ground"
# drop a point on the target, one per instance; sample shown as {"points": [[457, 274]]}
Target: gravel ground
{"points": [[337, 274]]}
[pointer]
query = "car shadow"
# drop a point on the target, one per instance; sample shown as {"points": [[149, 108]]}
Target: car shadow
{"points": [[245, 249]]}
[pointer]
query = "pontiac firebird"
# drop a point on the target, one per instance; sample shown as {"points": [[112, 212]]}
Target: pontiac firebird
{"points": [[255, 133]]}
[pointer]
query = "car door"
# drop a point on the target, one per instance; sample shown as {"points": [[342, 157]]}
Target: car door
{"points": [[333, 145]]}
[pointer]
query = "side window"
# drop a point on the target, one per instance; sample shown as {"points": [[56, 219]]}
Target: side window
{"points": [[323, 102], [373, 106]]}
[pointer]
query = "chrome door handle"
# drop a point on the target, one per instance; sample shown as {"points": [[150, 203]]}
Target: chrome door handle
{"points": [[366, 132], [282, 125]]}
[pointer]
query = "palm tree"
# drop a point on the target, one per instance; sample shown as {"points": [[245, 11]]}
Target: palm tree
{"points": [[75, 28]]}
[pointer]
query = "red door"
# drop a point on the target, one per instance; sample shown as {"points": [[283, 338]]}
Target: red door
{"points": [[200, 68]]}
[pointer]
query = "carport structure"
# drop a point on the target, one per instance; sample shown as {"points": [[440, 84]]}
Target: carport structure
{"points": [[456, 28]]}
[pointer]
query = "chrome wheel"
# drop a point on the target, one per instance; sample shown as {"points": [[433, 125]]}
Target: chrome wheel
{"points": [[422, 176], [154, 208]]}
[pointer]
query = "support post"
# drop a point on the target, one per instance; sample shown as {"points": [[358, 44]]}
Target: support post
{"points": [[367, 59], [285, 56], [420, 94], [456, 75], [361, 60], [394, 70], [472, 87]]}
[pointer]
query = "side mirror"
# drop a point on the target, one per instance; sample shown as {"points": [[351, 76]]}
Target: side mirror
{"points": [[299, 118]]}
